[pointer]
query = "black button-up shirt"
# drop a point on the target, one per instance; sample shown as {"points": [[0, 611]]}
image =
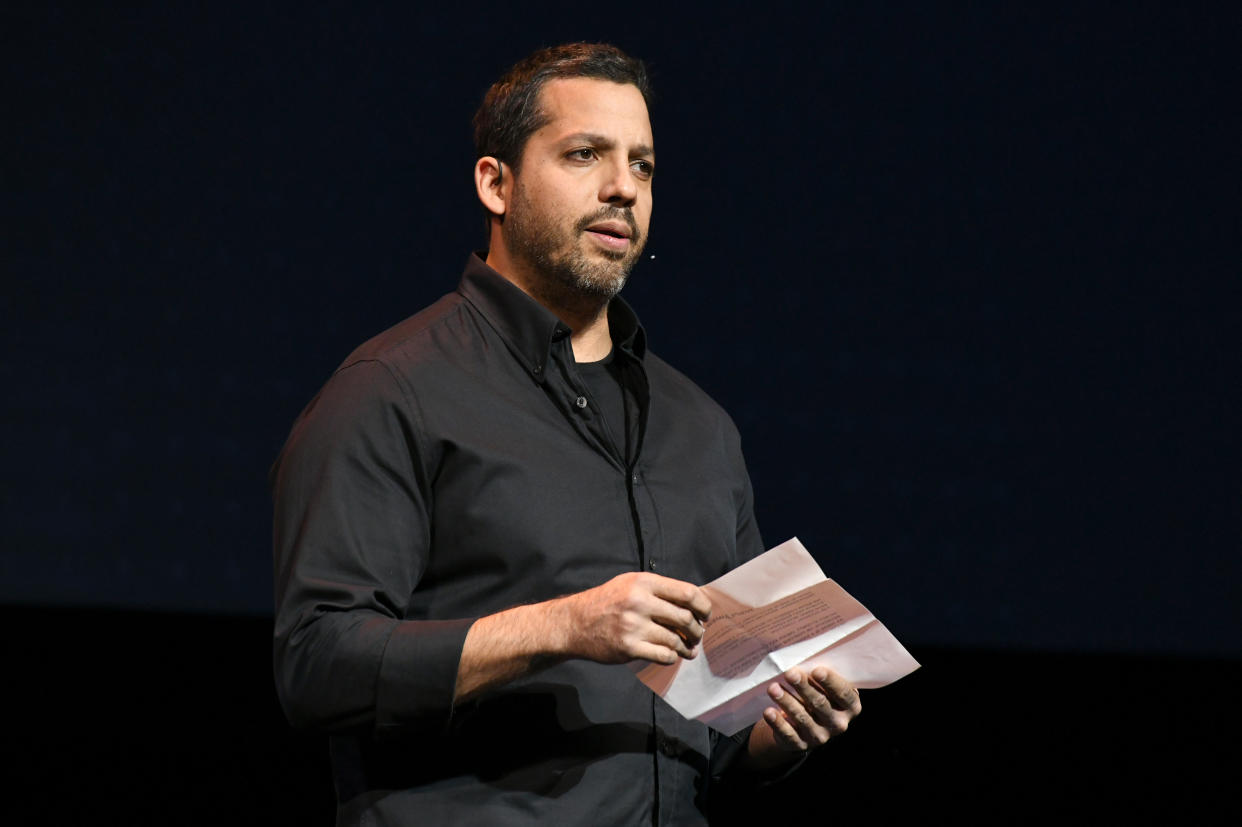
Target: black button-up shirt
{"points": [[457, 465]]}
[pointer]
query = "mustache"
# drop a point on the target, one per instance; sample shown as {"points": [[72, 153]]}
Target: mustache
{"points": [[609, 213]]}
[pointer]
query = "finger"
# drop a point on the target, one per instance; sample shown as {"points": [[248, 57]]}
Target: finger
{"points": [[835, 721], [647, 600], [808, 729], [669, 639], [785, 734], [679, 620], [655, 653], [841, 693], [692, 637], [681, 593], [813, 698]]}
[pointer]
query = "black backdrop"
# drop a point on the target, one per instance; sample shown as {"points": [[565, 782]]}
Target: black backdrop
{"points": [[963, 274]]}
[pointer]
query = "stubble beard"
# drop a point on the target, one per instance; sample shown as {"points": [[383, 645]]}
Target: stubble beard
{"points": [[569, 277]]}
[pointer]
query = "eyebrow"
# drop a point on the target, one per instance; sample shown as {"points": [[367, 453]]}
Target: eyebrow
{"points": [[607, 143]]}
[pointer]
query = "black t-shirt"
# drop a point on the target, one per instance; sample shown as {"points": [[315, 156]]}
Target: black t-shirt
{"points": [[604, 390]]}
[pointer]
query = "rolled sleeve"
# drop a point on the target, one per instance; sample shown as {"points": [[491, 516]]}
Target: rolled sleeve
{"points": [[418, 672]]}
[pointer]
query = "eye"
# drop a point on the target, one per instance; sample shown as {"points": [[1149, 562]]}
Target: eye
{"points": [[642, 168], [586, 153]]}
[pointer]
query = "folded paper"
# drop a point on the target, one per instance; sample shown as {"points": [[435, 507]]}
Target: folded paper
{"points": [[769, 615]]}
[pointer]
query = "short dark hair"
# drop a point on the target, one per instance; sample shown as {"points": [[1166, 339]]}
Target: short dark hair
{"points": [[511, 113]]}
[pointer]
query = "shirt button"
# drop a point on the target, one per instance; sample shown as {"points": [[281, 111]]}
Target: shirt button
{"points": [[538, 369], [651, 564], [581, 401], [634, 479]]}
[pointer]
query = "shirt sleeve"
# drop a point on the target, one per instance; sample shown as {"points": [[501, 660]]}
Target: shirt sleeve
{"points": [[351, 534], [748, 543]]}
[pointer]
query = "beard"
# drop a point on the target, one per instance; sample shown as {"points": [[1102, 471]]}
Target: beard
{"points": [[554, 251]]}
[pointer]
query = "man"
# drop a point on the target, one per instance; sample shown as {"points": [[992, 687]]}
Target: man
{"points": [[492, 507]]}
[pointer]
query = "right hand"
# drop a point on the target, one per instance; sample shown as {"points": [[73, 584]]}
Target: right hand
{"points": [[636, 615]]}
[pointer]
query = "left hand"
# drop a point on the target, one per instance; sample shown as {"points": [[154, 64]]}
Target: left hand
{"points": [[808, 710]]}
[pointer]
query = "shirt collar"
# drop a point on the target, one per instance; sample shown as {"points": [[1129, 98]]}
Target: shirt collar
{"points": [[627, 332], [529, 328]]}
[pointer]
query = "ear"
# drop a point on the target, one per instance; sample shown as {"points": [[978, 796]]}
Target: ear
{"points": [[491, 184]]}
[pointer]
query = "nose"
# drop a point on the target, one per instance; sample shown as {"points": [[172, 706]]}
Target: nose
{"points": [[619, 186]]}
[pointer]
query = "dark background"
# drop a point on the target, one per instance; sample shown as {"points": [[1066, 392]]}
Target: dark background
{"points": [[964, 274]]}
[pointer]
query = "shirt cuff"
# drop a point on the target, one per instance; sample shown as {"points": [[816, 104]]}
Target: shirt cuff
{"points": [[418, 674]]}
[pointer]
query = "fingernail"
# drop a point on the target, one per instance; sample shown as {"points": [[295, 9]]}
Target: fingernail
{"points": [[776, 691]]}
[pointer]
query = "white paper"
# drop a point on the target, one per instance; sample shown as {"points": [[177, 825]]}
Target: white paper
{"points": [[774, 613]]}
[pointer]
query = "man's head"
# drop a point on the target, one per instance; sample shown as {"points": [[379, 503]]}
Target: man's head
{"points": [[564, 171], [512, 110]]}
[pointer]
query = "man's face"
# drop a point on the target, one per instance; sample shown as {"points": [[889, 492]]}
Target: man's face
{"points": [[581, 204]]}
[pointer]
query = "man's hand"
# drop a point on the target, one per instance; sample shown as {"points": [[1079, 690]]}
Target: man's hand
{"points": [[808, 710], [633, 616], [636, 616]]}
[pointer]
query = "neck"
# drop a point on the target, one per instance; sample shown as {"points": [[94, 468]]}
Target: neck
{"points": [[586, 315], [591, 342]]}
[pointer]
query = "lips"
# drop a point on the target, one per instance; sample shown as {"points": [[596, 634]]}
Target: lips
{"points": [[615, 229]]}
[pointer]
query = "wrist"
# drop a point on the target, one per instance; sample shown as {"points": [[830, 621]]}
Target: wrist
{"points": [[558, 627]]}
